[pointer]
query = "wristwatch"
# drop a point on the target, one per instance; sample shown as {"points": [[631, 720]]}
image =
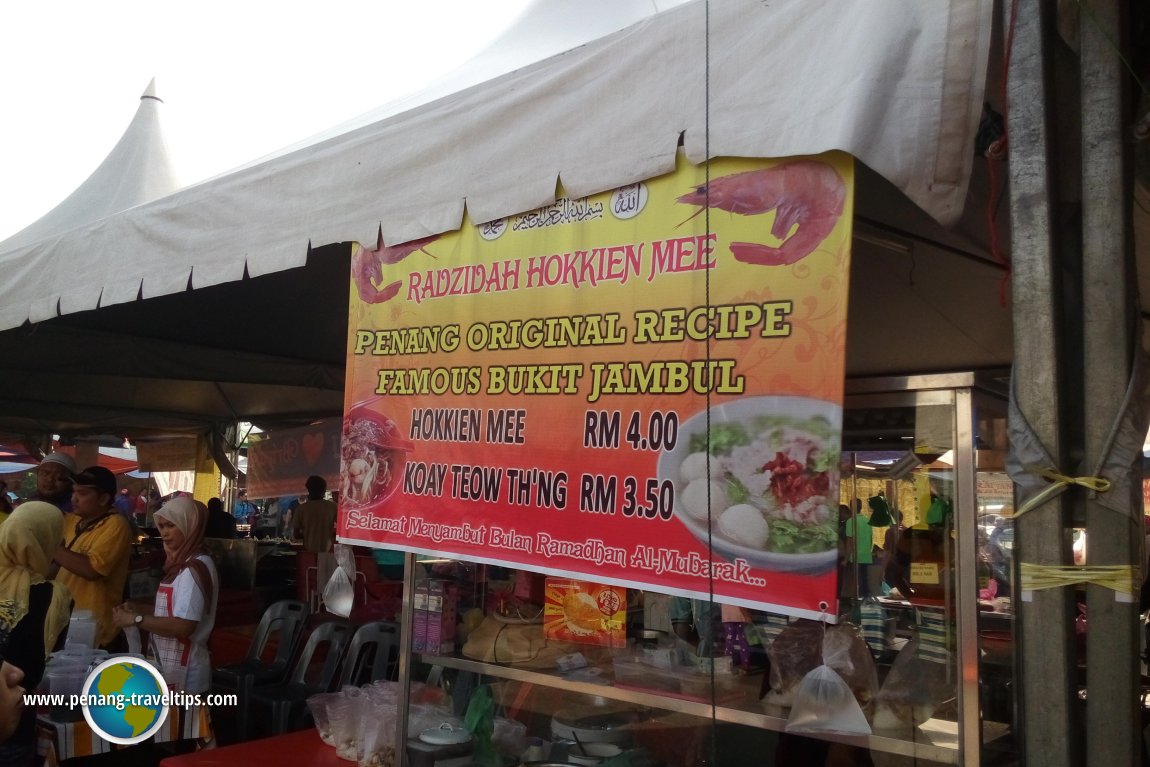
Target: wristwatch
{"points": [[138, 619]]}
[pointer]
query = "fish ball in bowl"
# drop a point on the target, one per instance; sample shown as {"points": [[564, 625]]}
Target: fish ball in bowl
{"points": [[694, 498], [696, 466], [745, 524]]}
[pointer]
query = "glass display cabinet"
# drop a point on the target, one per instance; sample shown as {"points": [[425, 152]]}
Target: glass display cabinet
{"points": [[575, 672]]}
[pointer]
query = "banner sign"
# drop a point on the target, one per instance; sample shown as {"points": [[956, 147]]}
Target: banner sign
{"points": [[280, 462], [177, 454], [642, 387]]}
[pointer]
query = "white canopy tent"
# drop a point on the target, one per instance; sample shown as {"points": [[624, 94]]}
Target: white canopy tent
{"points": [[896, 83], [139, 169]]}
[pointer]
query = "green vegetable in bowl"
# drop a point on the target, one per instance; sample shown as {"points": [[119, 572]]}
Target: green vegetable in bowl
{"points": [[724, 438], [736, 491], [789, 538]]}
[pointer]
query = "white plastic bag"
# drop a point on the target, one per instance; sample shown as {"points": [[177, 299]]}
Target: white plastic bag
{"points": [[320, 706], [825, 704], [339, 592], [830, 698], [343, 722], [845, 651]]}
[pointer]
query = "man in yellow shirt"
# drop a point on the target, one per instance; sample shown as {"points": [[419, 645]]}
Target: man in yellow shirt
{"points": [[93, 556]]}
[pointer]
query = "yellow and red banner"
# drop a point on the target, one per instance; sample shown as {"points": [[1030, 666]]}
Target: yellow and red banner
{"points": [[642, 387]]}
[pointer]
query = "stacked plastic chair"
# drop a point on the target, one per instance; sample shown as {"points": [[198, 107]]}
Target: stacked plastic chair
{"points": [[373, 654], [283, 620], [288, 700]]}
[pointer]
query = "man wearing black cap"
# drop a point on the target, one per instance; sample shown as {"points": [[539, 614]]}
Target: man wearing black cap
{"points": [[93, 556]]}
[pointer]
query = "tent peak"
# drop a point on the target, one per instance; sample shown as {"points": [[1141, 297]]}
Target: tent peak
{"points": [[150, 92], [139, 169]]}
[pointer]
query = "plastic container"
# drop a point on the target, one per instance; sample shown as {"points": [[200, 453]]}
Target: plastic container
{"points": [[81, 629], [66, 678]]}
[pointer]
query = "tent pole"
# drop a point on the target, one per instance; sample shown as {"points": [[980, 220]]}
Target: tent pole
{"points": [[1109, 327], [1045, 649]]}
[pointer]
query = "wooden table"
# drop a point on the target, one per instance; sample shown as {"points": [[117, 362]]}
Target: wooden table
{"points": [[302, 747]]}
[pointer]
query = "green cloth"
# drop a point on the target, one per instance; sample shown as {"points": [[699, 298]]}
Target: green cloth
{"points": [[938, 512], [858, 527], [879, 512]]}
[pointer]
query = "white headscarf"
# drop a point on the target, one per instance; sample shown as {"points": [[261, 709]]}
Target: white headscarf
{"points": [[190, 517]]}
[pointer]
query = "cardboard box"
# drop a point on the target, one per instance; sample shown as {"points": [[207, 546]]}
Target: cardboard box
{"points": [[585, 613], [435, 616], [419, 617]]}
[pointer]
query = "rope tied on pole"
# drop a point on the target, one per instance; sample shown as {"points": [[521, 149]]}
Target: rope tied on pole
{"points": [[1124, 579], [1059, 482]]}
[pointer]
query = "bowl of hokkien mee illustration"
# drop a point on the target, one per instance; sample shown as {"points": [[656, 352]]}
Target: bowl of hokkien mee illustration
{"points": [[373, 454]]}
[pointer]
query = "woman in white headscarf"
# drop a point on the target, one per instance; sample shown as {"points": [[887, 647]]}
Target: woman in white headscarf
{"points": [[185, 609]]}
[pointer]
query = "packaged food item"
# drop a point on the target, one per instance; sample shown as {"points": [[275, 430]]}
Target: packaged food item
{"points": [[845, 651], [585, 613], [343, 722], [796, 651], [320, 706], [913, 690], [805, 645], [360, 722]]}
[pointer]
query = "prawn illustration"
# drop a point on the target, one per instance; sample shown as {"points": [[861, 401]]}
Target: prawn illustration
{"points": [[367, 268], [807, 193]]}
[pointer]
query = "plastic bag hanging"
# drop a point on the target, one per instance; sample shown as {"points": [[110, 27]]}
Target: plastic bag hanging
{"points": [[913, 690], [339, 592], [479, 719], [825, 702]]}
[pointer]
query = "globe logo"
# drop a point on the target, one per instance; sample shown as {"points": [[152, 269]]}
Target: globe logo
{"points": [[123, 700]]}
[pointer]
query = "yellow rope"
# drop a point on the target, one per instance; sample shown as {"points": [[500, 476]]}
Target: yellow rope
{"points": [[1122, 578], [1058, 483]]}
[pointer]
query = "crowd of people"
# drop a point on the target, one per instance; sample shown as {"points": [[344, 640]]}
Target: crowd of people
{"points": [[66, 548]]}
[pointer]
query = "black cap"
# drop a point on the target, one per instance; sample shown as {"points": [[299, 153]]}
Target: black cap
{"points": [[96, 477]]}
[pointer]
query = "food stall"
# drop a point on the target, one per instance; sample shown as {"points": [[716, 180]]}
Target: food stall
{"points": [[614, 435], [657, 66]]}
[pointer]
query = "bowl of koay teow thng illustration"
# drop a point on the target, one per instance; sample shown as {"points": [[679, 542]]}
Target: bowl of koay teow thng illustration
{"points": [[766, 480]]}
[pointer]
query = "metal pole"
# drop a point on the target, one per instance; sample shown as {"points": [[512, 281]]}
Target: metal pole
{"points": [[965, 519], [406, 627], [1113, 538], [1045, 655]]}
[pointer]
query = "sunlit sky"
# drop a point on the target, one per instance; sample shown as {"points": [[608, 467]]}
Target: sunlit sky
{"points": [[239, 79]]}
